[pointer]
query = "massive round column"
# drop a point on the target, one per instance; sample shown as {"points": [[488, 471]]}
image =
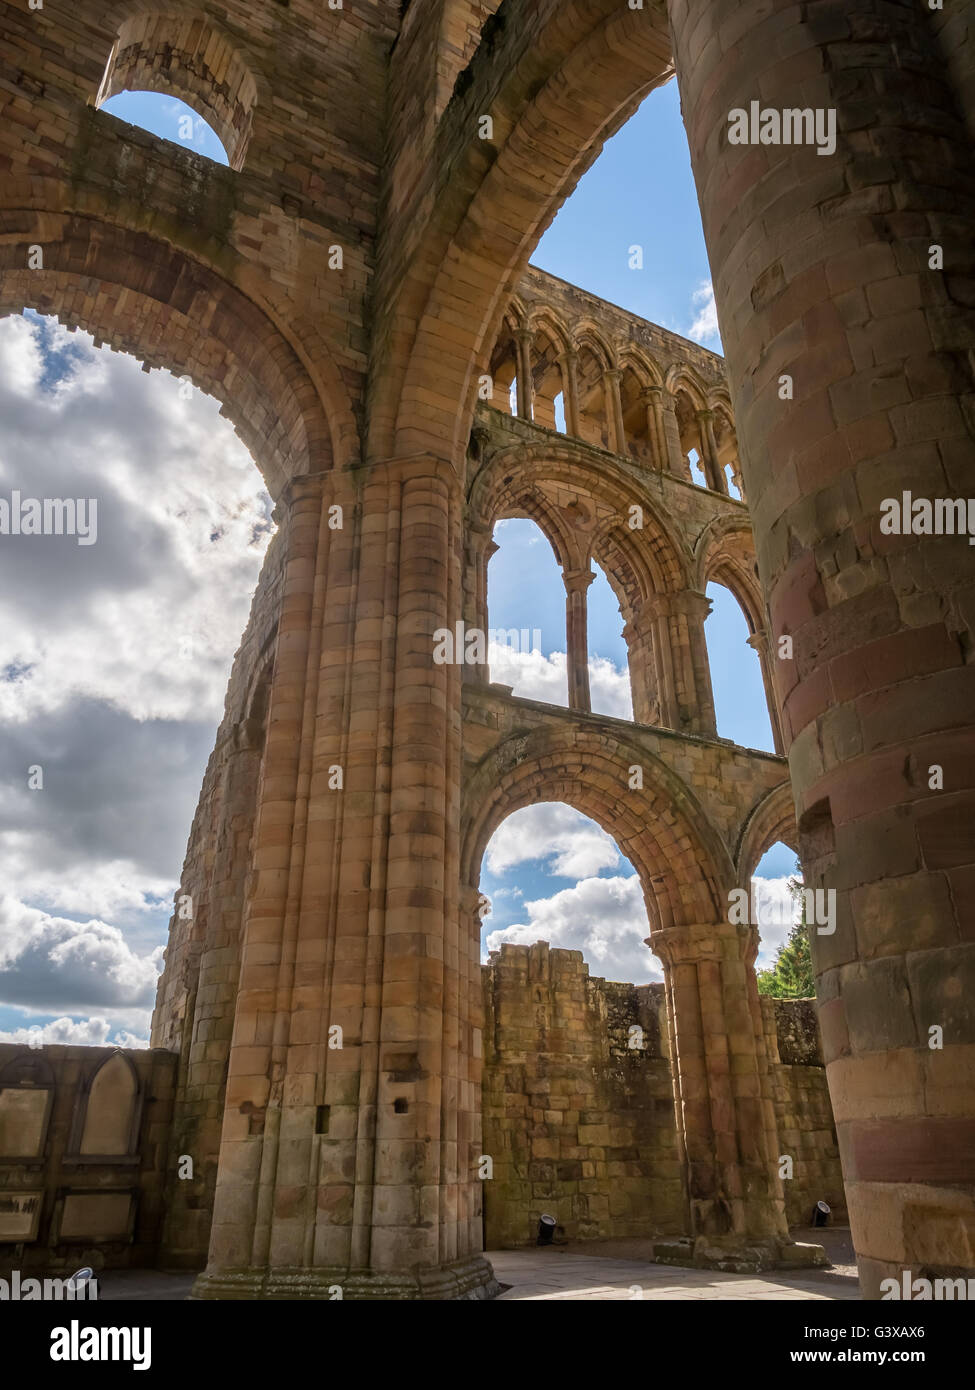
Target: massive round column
{"points": [[842, 273]]}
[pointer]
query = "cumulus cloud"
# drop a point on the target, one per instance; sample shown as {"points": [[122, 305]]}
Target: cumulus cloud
{"points": [[534, 676], [114, 661], [69, 1032], [775, 913], [49, 963], [704, 329], [147, 617], [567, 841], [604, 918]]}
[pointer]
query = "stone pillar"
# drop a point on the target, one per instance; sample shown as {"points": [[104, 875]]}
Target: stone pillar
{"points": [[347, 1152], [723, 1094], [568, 363], [639, 634], [676, 459], [710, 466], [841, 294], [477, 552], [758, 641], [684, 674], [577, 637], [525, 381], [652, 398], [614, 411]]}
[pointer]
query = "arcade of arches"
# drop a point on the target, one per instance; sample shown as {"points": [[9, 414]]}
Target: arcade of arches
{"points": [[333, 863]]}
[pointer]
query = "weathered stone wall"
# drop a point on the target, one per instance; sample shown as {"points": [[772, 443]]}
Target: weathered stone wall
{"points": [[83, 1141], [580, 1124], [577, 1123], [802, 1109]]}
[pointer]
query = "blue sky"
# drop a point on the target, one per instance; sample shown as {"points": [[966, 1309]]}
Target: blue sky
{"points": [[125, 725]]}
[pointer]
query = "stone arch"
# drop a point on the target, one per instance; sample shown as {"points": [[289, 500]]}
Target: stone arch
{"points": [[109, 1106], [644, 365], [543, 318], [681, 377], [548, 348], [529, 77], [655, 552], [772, 819], [588, 335], [725, 554], [684, 867], [187, 56], [143, 296]]}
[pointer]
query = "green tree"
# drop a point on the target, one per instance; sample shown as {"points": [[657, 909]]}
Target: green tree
{"points": [[791, 977]]}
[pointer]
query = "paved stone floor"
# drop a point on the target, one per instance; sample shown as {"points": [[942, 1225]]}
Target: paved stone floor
{"points": [[562, 1274], [611, 1270]]}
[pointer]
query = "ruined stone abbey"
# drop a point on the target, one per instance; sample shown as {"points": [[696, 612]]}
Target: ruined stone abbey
{"points": [[356, 290]]}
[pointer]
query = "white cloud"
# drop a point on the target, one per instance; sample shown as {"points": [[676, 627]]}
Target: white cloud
{"points": [[604, 918], [49, 963], [571, 845], [775, 912], [705, 326], [114, 661], [149, 616], [69, 1032], [536, 677], [609, 689]]}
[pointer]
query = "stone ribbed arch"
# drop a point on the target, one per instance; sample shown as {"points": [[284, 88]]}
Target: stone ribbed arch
{"points": [[542, 318], [586, 335], [654, 551], [143, 296], [680, 377], [725, 554], [662, 828], [646, 368], [489, 200], [772, 819]]}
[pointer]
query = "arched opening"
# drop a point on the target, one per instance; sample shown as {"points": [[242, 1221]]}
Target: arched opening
{"points": [[591, 370], [740, 702], [784, 965], [504, 371], [141, 295], [526, 613], [637, 430], [195, 63], [121, 618], [687, 411], [170, 119], [552, 874], [548, 386]]}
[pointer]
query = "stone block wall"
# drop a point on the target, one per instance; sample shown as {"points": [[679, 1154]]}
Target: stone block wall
{"points": [[578, 1124], [83, 1139], [802, 1109], [579, 1116]]}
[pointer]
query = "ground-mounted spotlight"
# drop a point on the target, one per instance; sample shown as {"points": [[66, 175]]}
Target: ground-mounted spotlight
{"points": [[820, 1216], [546, 1230]]}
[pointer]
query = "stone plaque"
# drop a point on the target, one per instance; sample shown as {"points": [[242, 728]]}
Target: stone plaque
{"points": [[96, 1216], [20, 1214], [23, 1121]]}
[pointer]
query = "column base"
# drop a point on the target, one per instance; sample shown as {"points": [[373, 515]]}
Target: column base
{"points": [[468, 1279], [740, 1255]]}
